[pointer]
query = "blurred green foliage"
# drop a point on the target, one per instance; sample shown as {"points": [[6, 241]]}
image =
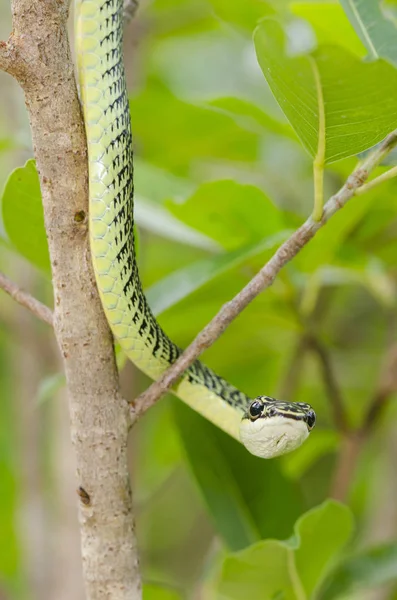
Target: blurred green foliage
{"points": [[221, 180]]}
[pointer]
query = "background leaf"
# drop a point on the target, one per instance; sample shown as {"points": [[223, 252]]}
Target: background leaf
{"points": [[230, 213]]}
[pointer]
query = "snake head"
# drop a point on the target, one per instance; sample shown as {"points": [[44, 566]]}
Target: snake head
{"points": [[271, 427]]}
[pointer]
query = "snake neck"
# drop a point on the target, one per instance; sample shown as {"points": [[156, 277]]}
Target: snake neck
{"points": [[99, 36]]}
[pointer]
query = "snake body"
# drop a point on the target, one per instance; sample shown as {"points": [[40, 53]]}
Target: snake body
{"points": [[99, 37]]}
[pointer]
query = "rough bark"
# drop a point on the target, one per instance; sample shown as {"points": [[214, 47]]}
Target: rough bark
{"points": [[38, 55]]}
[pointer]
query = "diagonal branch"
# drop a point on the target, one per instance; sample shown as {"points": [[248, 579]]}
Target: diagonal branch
{"points": [[263, 279], [24, 299]]}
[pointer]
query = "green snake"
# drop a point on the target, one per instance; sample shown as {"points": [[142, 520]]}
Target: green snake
{"points": [[266, 426]]}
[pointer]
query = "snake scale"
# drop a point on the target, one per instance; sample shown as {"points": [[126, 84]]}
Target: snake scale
{"points": [[266, 426]]}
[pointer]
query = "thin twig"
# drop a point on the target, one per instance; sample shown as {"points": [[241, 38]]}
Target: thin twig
{"points": [[346, 464], [377, 181], [330, 383], [387, 386], [37, 308], [263, 279]]}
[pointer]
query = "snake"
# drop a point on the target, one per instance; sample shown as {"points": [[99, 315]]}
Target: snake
{"points": [[267, 427]]}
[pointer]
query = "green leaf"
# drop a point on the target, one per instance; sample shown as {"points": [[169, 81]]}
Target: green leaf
{"points": [[293, 569], [247, 497], [23, 215], [372, 567], [189, 132], [378, 34], [169, 291], [230, 213], [338, 105], [330, 24]]}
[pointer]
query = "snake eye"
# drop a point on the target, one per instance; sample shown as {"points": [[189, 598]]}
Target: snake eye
{"points": [[311, 419], [255, 410]]}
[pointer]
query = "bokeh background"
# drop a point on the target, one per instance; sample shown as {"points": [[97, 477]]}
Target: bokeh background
{"points": [[325, 333]]}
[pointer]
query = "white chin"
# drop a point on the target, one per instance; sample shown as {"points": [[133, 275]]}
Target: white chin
{"points": [[272, 437]]}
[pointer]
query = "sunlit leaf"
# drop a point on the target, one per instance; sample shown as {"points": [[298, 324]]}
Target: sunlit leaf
{"points": [[247, 497], [338, 105], [23, 215], [377, 33]]}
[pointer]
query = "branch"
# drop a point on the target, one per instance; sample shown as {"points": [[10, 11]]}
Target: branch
{"points": [[354, 441], [330, 383], [263, 279], [346, 465], [99, 415], [37, 308], [387, 387]]}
